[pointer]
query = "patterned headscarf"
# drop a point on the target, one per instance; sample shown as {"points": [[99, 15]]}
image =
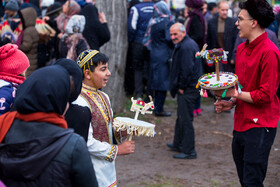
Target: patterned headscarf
{"points": [[62, 19], [76, 24], [161, 11]]}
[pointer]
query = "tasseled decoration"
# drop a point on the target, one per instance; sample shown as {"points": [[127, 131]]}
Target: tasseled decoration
{"points": [[209, 62], [201, 92], [239, 87], [197, 85], [224, 93], [224, 59], [197, 55], [205, 93]]}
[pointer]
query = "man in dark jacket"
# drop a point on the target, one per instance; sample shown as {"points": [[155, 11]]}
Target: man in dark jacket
{"points": [[221, 33], [185, 72]]}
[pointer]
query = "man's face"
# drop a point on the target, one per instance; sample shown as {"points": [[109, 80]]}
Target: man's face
{"points": [[176, 35], [223, 10], [204, 8], [10, 13], [186, 12], [244, 24], [101, 75]]}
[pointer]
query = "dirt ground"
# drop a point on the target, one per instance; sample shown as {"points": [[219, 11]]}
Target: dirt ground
{"points": [[152, 163]]}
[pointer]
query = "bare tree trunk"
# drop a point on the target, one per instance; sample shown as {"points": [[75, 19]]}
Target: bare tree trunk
{"points": [[115, 49]]}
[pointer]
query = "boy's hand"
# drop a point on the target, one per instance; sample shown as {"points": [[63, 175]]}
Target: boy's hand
{"points": [[127, 147]]}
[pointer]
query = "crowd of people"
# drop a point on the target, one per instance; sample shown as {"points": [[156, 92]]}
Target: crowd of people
{"points": [[55, 120], [50, 30], [161, 58]]}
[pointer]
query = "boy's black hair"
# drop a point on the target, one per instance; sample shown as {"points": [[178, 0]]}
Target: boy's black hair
{"points": [[259, 10], [93, 62]]}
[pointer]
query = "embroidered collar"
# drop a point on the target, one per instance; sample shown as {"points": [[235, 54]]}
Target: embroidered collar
{"points": [[89, 88]]}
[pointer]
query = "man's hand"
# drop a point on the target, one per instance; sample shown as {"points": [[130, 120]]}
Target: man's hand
{"points": [[46, 18], [102, 17], [223, 105], [127, 147], [181, 91]]}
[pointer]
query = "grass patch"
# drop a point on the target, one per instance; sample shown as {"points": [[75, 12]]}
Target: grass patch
{"points": [[158, 121], [170, 102], [160, 181]]}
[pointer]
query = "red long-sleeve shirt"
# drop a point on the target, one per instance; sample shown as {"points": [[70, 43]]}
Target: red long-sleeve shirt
{"points": [[258, 71]]}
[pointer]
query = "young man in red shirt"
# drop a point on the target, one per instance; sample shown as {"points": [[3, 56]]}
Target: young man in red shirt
{"points": [[257, 106]]}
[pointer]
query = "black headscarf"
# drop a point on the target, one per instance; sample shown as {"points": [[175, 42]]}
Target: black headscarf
{"points": [[75, 71], [45, 90]]}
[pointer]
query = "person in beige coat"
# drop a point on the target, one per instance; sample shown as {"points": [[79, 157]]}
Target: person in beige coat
{"points": [[30, 37]]}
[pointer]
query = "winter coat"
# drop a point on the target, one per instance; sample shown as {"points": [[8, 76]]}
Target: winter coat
{"points": [[95, 32], [38, 151], [138, 20], [52, 157], [7, 95], [185, 69], [30, 37], [161, 51]]}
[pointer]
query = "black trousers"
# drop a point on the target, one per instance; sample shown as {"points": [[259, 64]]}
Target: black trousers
{"points": [[140, 61], [250, 150], [184, 137]]}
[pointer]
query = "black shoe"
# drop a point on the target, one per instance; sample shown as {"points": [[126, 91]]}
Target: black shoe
{"points": [[173, 148], [185, 156], [166, 114]]}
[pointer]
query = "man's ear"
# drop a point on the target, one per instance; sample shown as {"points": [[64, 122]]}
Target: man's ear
{"points": [[255, 23]]}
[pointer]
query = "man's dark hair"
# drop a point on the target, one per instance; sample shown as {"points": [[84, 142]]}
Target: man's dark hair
{"points": [[211, 5], [259, 10]]}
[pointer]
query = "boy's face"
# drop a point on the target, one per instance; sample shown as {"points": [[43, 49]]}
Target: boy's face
{"points": [[101, 75]]}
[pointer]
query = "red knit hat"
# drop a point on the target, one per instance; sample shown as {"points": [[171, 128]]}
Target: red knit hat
{"points": [[12, 60]]}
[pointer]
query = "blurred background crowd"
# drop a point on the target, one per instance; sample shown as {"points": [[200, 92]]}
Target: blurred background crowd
{"points": [[46, 30]]}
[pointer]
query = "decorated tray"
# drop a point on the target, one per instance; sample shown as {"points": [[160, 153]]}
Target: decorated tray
{"points": [[138, 127], [211, 82]]}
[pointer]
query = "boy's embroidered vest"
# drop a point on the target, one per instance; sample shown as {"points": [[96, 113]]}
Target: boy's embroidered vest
{"points": [[101, 114]]}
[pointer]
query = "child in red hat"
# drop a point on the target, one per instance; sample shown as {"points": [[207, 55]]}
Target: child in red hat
{"points": [[13, 64]]}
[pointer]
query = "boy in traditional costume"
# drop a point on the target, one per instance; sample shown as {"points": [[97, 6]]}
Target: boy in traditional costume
{"points": [[101, 135]]}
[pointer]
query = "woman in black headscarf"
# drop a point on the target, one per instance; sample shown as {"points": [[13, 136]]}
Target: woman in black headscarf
{"points": [[96, 30], [36, 147], [77, 117]]}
